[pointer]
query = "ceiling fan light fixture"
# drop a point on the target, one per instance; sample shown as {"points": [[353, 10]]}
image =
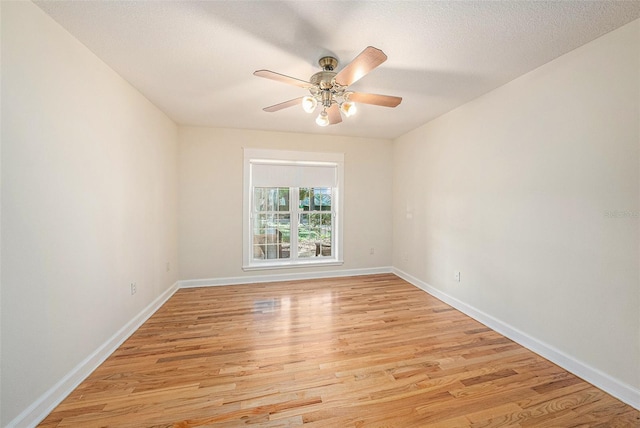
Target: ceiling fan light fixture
{"points": [[309, 104], [348, 108], [330, 88], [323, 118]]}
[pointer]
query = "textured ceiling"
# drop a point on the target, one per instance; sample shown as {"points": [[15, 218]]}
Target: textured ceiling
{"points": [[195, 59]]}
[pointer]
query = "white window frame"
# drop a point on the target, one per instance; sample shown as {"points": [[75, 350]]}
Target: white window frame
{"points": [[295, 158]]}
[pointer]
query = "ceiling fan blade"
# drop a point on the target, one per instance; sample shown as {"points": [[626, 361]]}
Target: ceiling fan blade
{"points": [[334, 114], [283, 105], [366, 61], [375, 99], [267, 74]]}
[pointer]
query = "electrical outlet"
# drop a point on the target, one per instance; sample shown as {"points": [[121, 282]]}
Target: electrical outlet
{"points": [[372, 251], [456, 276], [133, 288]]}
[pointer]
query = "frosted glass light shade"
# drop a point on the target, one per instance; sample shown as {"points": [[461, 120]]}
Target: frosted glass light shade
{"points": [[323, 118], [309, 104], [348, 108]]}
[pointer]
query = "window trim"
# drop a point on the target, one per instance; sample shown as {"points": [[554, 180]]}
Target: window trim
{"points": [[285, 157]]}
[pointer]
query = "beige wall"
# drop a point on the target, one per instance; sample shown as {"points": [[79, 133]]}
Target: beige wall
{"points": [[89, 173], [210, 207], [515, 190]]}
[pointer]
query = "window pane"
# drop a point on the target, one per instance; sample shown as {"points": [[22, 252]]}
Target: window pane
{"points": [[322, 198], [325, 234], [283, 199], [306, 238], [271, 237], [305, 195], [271, 198], [314, 235], [283, 231], [259, 199], [315, 198]]}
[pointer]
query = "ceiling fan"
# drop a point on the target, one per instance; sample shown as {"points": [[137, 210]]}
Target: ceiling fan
{"points": [[328, 88]]}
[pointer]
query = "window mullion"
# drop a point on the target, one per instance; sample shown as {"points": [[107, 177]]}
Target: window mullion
{"points": [[294, 199], [334, 203]]}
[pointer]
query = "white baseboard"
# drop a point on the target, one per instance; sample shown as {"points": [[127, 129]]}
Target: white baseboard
{"points": [[622, 391], [251, 279], [39, 409]]}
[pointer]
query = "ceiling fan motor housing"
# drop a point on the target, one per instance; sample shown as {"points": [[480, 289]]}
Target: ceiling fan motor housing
{"points": [[323, 79], [328, 63]]}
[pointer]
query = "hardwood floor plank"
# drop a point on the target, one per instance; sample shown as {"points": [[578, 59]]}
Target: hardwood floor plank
{"points": [[370, 351]]}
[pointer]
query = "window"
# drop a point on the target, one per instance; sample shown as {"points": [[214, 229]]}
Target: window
{"points": [[292, 209]]}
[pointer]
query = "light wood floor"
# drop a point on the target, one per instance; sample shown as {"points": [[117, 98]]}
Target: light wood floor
{"points": [[368, 351]]}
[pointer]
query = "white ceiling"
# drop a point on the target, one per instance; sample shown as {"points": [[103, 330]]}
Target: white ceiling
{"points": [[195, 59]]}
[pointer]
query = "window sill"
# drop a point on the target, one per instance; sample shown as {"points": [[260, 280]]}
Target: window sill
{"points": [[290, 264]]}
